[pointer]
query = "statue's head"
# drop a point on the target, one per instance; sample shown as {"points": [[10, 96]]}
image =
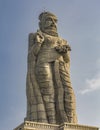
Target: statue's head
{"points": [[48, 22]]}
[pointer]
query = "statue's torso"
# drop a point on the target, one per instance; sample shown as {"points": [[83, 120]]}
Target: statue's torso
{"points": [[48, 52]]}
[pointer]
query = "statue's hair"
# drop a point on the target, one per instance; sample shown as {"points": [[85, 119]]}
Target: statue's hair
{"points": [[44, 14]]}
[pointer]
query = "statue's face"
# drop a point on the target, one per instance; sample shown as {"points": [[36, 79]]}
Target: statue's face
{"points": [[49, 23]]}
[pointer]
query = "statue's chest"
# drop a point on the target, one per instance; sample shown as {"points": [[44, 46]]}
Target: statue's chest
{"points": [[51, 41]]}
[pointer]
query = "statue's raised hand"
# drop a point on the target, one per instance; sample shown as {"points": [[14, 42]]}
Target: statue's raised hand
{"points": [[39, 38]]}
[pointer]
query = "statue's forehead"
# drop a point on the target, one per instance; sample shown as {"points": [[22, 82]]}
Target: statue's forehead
{"points": [[51, 16]]}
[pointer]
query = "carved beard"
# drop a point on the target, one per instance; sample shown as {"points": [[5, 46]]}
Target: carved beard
{"points": [[50, 32]]}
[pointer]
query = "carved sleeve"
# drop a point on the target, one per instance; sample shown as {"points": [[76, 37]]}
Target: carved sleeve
{"points": [[66, 57], [34, 46]]}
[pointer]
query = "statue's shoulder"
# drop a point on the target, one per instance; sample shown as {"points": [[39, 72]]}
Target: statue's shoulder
{"points": [[64, 41], [31, 35], [31, 38]]}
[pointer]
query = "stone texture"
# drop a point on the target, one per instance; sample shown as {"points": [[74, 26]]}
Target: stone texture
{"points": [[51, 101], [28, 125], [50, 96]]}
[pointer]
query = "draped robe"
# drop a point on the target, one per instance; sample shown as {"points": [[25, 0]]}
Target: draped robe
{"points": [[50, 96]]}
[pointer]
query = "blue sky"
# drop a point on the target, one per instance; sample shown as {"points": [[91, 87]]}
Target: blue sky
{"points": [[79, 23]]}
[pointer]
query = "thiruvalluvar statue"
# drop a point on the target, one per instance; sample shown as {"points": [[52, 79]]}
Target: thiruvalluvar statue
{"points": [[50, 96]]}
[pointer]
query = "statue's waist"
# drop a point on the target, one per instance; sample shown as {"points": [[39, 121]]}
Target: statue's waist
{"points": [[48, 56]]}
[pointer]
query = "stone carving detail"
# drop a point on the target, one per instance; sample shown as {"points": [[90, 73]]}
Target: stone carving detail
{"points": [[50, 96], [28, 125]]}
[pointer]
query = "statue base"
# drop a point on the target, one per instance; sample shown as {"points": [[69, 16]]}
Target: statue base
{"points": [[29, 125]]}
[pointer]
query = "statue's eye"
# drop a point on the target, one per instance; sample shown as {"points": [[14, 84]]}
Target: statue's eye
{"points": [[49, 19]]}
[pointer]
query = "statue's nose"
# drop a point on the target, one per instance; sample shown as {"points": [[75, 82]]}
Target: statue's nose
{"points": [[53, 22]]}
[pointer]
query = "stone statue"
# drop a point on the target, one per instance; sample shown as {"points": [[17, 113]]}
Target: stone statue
{"points": [[50, 96]]}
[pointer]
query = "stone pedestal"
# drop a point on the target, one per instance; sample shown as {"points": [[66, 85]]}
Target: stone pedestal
{"points": [[29, 125]]}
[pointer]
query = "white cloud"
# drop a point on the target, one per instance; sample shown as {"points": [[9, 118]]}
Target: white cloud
{"points": [[93, 83]]}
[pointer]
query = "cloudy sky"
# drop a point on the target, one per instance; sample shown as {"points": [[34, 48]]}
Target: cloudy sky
{"points": [[79, 23]]}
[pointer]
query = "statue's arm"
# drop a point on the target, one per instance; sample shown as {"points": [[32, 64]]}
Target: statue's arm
{"points": [[64, 49], [66, 57], [35, 42]]}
